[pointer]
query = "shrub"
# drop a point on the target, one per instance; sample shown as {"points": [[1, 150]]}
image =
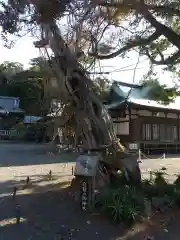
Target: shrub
{"points": [[176, 196], [159, 178], [127, 203], [177, 181], [163, 169], [18, 131], [124, 204]]}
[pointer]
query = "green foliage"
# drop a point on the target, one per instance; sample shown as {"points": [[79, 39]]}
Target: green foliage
{"points": [[177, 181], [176, 196], [102, 88], [28, 85], [11, 68], [157, 186], [160, 17], [159, 178], [159, 92], [18, 131], [163, 169], [176, 25], [123, 204], [127, 203]]}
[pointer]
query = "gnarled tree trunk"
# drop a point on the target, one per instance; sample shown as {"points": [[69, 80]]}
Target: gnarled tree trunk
{"points": [[92, 122]]}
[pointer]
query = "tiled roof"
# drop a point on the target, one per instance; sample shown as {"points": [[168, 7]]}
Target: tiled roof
{"points": [[138, 96], [175, 105], [30, 119]]}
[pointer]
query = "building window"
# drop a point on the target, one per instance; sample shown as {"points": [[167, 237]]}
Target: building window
{"points": [[116, 128], [146, 132], [155, 132], [163, 132], [174, 133], [168, 132], [16, 103], [160, 132]]}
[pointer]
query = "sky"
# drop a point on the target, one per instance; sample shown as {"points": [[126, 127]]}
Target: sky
{"points": [[22, 52], [119, 69]]}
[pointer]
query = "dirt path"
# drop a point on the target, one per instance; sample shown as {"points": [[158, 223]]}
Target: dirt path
{"points": [[48, 209]]}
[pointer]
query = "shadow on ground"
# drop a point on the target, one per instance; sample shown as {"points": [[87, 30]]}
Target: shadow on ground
{"points": [[50, 212], [32, 154], [7, 187], [28, 159]]}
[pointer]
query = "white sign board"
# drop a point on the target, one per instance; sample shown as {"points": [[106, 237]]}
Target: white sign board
{"points": [[86, 165], [133, 146]]}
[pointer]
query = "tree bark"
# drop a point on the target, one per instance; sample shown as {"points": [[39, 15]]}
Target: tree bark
{"points": [[92, 123]]}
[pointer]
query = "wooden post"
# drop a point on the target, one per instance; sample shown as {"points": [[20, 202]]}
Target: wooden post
{"points": [[93, 192], [151, 176], [27, 181], [50, 175], [18, 214], [139, 154], [14, 192]]}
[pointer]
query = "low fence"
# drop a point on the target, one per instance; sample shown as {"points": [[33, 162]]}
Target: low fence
{"points": [[4, 134], [142, 156]]}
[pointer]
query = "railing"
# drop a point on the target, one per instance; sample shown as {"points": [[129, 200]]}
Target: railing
{"points": [[4, 132], [142, 156]]}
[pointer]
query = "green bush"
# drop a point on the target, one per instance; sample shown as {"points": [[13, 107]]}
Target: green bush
{"points": [[159, 178], [18, 132], [176, 196], [127, 203], [177, 181], [163, 169], [123, 204]]}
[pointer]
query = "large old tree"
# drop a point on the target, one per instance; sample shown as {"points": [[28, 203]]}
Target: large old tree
{"points": [[75, 30]]}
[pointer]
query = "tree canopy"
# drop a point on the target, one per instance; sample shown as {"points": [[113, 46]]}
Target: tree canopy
{"points": [[160, 92], [28, 85], [104, 29]]}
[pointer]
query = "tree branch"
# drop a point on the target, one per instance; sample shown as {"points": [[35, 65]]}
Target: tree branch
{"points": [[166, 31], [134, 6], [168, 61], [130, 45], [164, 9]]}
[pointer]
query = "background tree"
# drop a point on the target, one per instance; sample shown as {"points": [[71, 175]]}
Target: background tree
{"points": [[28, 85], [160, 92], [9, 69], [102, 88]]}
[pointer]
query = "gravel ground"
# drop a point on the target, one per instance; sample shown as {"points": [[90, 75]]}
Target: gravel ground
{"points": [[172, 166], [48, 208]]}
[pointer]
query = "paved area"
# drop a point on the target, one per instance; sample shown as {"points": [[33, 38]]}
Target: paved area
{"points": [[48, 208]]}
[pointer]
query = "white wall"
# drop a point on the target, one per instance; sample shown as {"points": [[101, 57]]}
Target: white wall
{"points": [[144, 113], [121, 127], [172, 115]]}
